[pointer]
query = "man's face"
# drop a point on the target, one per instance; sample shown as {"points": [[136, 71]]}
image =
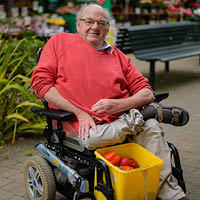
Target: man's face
{"points": [[93, 26]]}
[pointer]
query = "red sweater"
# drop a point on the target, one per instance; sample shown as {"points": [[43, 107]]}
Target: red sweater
{"points": [[84, 75]]}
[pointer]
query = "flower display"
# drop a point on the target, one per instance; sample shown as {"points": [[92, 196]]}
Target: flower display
{"points": [[179, 10], [175, 10]]}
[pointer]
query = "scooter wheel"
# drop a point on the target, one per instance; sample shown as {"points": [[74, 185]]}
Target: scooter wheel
{"points": [[39, 179]]}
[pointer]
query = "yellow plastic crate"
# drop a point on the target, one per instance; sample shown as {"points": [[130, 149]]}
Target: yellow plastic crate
{"points": [[136, 184]]}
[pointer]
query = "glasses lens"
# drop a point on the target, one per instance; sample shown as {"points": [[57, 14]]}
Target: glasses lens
{"points": [[89, 22], [102, 23]]}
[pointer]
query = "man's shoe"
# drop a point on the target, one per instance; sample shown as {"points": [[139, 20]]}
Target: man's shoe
{"points": [[184, 198], [173, 115]]}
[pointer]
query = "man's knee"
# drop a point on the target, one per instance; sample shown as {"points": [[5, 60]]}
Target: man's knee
{"points": [[152, 125], [151, 134]]}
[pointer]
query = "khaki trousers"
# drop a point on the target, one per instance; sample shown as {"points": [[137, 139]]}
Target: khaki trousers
{"points": [[148, 134]]}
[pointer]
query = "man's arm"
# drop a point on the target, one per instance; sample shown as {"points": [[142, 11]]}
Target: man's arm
{"points": [[86, 121], [112, 106]]}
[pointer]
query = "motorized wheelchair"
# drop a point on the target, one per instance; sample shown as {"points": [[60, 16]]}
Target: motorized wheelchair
{"points": [[69, 168]]}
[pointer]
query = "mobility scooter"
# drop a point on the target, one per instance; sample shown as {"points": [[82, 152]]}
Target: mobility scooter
{"points": [[65, 166]]}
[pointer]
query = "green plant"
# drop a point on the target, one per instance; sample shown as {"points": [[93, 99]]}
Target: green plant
{"points": [[144, 4], [17, 60], [30, 153]]}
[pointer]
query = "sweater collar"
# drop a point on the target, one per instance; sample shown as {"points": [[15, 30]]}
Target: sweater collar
{"points": [[106, 46]]}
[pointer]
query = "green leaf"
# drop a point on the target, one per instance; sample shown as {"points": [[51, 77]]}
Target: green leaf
{"points": [[28, 103], [32, 127], [14, 132], [30, 153], [16, 116], [3, 82], [18, 64], [14, 60], [18, 87], [23, 78]]}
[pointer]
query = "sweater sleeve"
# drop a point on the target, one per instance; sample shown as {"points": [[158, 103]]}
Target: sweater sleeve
{"points": [[44, 74], [135, 80]]}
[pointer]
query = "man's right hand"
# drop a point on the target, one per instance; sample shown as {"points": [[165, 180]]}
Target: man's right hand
{"points": [[86, 122]]}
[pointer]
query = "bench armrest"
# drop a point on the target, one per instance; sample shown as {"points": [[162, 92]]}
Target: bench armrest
{"points": [[53, 114]]}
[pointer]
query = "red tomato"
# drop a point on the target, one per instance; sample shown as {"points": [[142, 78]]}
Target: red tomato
{"points": [[133, 163], [110, 155], [126, 167], [115, 160], [124, 161]]}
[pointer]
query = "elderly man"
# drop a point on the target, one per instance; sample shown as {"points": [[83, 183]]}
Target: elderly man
{"points": [[83, 74]]}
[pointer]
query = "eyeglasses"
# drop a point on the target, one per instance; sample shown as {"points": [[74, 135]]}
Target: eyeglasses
{"points": [[90, 22]]}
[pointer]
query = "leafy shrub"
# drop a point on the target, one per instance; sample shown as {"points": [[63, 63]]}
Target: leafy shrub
{"points": [[17, 61]]}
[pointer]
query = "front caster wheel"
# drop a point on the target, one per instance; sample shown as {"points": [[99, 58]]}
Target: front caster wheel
{"points": [[39, 180]]}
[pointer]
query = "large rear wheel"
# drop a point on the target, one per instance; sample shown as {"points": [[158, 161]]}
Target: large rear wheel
{"points": [[39, 179]]}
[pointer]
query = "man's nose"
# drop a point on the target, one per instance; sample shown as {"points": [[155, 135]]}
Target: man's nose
{"points": [[95, 25]]}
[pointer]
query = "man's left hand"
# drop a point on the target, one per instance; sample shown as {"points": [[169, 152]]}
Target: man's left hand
{"points": [[107, 106]]}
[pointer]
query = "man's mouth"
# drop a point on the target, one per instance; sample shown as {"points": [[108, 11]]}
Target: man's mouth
{"points": [[94, 33]]}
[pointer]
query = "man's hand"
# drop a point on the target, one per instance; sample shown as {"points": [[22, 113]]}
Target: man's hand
{"points": [[86, 122], [113, 106], [107, 106]]}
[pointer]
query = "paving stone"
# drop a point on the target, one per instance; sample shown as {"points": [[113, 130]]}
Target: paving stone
{"points": [[4, 181], [193, 191], [18, 177], [4, 195], [19, 190], [10, 173], [10, 186], [193, 178], [17, 197]]}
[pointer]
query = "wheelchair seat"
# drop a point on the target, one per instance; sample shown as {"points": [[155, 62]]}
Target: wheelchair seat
{"points": [[74, 145]]}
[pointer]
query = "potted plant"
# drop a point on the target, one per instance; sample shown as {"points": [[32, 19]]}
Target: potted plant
{"points": [[146, 5]]}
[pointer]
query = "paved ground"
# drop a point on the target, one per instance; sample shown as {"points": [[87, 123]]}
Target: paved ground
{"points": [[183, 84]]}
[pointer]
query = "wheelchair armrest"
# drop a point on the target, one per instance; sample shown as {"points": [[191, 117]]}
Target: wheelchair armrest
{"points": [[53, 114], [160, 97]]}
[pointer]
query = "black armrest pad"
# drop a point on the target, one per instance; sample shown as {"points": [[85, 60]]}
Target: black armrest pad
{"points": [[53, 114], [160, 97]]}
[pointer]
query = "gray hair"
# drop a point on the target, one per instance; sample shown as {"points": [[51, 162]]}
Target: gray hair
{"points": [[84, 6]]}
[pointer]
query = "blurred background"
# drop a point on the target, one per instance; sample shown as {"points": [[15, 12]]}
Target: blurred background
{"points": [[46, 17]]}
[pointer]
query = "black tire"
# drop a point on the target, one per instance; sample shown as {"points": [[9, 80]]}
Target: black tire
{"points": [[39, 179]]}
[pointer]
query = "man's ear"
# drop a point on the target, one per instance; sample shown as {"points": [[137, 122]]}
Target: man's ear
{"points": [[77, 25]]}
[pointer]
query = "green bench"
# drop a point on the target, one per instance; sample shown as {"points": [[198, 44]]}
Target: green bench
{"points": [[160, 42]]}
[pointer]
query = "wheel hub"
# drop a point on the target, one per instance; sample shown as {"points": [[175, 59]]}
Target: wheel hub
{"points": [[34, 182]]}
